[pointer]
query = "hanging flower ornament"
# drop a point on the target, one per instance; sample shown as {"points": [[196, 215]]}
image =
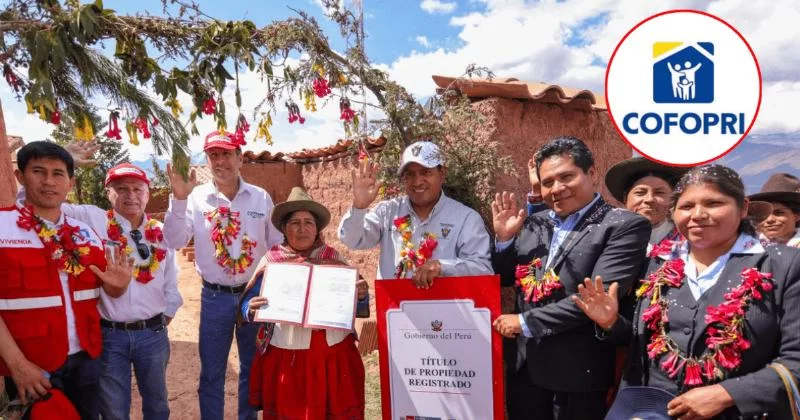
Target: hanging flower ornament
{"points": [[143, 127], [55, 117], [725, 336], [12, 79], [174, 107], [210, 106], [83, 130], [70, 256], [225, 228], [310, 103], [113, 131], [535, 289], [263, 129], [411, 258], [346, 113], [242, 127], [321, 88], [143, 273], [363, 155], [294, 112]]}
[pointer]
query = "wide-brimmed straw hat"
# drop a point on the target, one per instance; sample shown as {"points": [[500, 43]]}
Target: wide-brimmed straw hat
{"points": [[623, 175], [300, 200], [780, 187]]}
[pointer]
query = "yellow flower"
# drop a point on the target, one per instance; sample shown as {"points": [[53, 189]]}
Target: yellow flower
{"points": [[29, 105], [319, 69], [175, 107], [342, 78]]}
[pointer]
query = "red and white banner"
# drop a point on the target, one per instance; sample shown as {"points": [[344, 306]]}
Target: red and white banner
{"points": [[440, 359]]}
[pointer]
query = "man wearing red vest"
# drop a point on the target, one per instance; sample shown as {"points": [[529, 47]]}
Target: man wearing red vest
{"points": [[51, 272]]}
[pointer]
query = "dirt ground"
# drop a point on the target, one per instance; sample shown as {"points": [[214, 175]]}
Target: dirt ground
{"points": [[183, 371]]}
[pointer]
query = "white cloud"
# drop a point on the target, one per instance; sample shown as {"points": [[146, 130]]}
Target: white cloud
{"points": [[423, 40], [437, 6]]}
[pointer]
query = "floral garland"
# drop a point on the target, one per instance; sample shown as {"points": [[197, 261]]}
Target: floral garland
{"points": [[725, 338], [225, 228], [409, 257], [70, 256], [533, 288], [143, 273]]}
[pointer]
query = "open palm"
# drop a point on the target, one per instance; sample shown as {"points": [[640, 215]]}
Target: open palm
{"points": [[600, 306], [365, 184], [507, 220]]}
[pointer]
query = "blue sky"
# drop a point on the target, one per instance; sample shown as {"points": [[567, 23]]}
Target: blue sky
{"points": [[564, 42]]}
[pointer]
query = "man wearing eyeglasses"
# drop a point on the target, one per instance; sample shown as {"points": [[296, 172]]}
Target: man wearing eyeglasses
{"points": [[135, 323]]}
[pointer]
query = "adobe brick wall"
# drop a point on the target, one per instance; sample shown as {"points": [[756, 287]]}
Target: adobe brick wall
{"points": [[522, 127], [8, 189]]}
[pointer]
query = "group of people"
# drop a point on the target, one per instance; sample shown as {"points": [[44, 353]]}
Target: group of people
{"points": [[692, 277]]}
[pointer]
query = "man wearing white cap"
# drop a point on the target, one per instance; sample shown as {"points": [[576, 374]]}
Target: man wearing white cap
{"points": [[134, 324], [230, 221], [422, 235]]}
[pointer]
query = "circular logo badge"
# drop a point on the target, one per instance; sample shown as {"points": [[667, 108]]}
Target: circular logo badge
{"points": [[683, 87]]}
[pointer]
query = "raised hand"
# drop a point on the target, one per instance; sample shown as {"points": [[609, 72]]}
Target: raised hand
{"points": [[119, 269], [181, 187], [599, 306], [365, 184], [536, 187], [506, 219], [82, 152]]}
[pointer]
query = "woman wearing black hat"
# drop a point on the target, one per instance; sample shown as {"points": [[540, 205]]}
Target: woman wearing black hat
{"points": [[713, 317], [303, 373], [645, 187], [780, 227]]}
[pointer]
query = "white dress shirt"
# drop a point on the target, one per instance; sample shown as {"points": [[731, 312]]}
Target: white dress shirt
{"points": [[463, 243], [140, 301], [187, 218]]}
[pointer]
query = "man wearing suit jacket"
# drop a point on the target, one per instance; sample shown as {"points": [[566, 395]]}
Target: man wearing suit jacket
{"points": [[558, 369]]}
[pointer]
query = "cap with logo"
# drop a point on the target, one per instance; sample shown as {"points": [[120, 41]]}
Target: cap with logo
{"points": [[126, 170], [424, 153], [221, 140]]}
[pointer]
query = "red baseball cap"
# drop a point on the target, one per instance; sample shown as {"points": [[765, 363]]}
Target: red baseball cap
{"points": [[126, 170], [220, 140]]}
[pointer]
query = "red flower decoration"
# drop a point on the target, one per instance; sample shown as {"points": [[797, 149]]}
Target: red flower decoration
{"points": [[725, 334], [210, 106]]}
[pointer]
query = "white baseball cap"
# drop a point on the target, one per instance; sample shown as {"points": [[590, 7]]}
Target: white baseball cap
{"points": [[423, 152]]}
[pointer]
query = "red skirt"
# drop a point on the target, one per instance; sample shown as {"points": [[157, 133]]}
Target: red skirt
{"points": [[319, 383]]}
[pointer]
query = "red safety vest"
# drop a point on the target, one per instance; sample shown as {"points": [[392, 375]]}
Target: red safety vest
{"points": [[32, 299]]}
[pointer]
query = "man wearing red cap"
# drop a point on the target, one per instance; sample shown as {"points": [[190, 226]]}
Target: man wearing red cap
{"points": [[134, 324], [230, 221], [50, 282]]}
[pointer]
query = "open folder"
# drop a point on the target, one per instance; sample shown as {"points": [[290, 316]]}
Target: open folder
{"points": [[313, 296]]}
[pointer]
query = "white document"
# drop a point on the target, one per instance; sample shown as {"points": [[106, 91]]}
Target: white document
{"points": [[332, 297], [285, 286]]}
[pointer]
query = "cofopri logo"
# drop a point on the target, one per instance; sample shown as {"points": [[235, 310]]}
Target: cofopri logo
{"points": [[683, 87]]}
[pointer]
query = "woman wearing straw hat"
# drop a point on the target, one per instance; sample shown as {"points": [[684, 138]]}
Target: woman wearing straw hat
{"points": [[780, 226], [303, 373], [645, 187]]}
